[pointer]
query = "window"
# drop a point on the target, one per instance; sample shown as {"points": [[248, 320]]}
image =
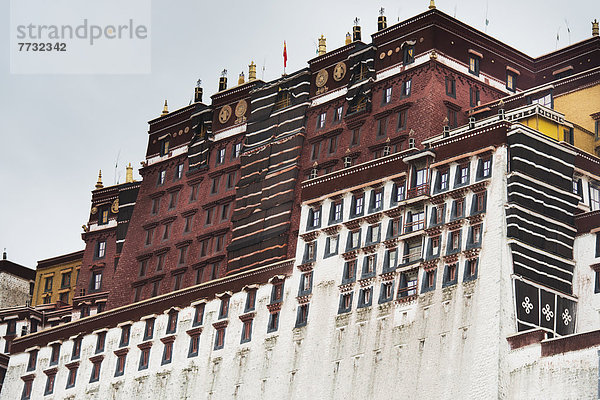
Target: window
{"points": [[166, 231], [214, 188], [336, 212], [353, 240], [395, 228], [594, 198], [474, 64], [85, 311], [511, 81], [26, 395], [277, 293], [172, 321], [345, 303], [224, 307], [198, 314], [452, 118], [219, 240], [250, 300], [355, 139], [101, 249], [387, 292], [484, 168], [458, 209], [220, 156], [50, 383], [237, 150], [434, 247], [194, 345], [357, 205], [382, 127], [429, 280], [470, 270], [310, 251], [302, 317], [443, 180], [401, 120], [478, 203], [96, 283], [408, 54], [408, 284], [331, 246], [321, 119], [155, 205], [376, 200], [31, 364], [332, 144], [149, 236], [569, 136], [398, 193], [160, 262], [246, 331], [164, 147], [314, 218], [144, 358], [72, 377], [48, 284], [177, 280], [64, 298], [76, 348], [373, 234], [103, 216], [415, 221], [314, 152], [231, 180], [366, 297], [454, 242], [305, 284], [179, 171], [193, 195], [387, 95], [187, 227], [125, 334], [100, 341], [149, 329], [474, 96], [161, 176], [545, 101], [450, 87], [450, 275], [120, 368], [369, 266], [438, 214], [273, 322], [349, 271], [339, 112], [168, 351], [173, 200], [462, 175], [391, 260], [95, 371], [475, 235], [412, 252]]}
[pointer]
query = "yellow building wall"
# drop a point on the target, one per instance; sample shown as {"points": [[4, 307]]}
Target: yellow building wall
{"points": [[55, 272], [547, 127], [577, 107]]}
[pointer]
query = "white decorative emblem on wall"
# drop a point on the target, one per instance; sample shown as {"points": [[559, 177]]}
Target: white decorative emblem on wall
{"points": [[566, 317], [527, 305], [548, 312]]}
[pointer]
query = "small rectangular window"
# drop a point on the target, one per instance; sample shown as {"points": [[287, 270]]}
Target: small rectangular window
{"points": [[199, 314], [302, 317], [322, 118], [250, 300], [179, 171], [345, 303], [349, 271], [101, 249], [237, 150], [366, 297], [144, 359], [332, 144], [224, 307], [387, 95], [120, 367], [149, 329], [162, 176], [511, 81], [246, 331], [72, 377], [155, 205], [355, 139], [100, 342], [406, 88], [125, 334], [474, 96], [594, 198], [164, 147], [401, 120], [50, 384], [339, 112], [194, 345], [314, 152], [95, 371], [450, 87], [382, 127], [220, 156], [214, 188], [474, 64], [273, 322], [408, 54]]}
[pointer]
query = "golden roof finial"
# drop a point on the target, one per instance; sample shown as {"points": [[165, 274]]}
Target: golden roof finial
{"points": [[165, 109], [99, 184], [348, 38], [241, 79], [252, 71], [322, 45], [432, 4], [129, 174], [595, 28]]}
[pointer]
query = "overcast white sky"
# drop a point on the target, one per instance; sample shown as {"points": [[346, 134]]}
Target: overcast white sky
{"points": [[57, 131]]}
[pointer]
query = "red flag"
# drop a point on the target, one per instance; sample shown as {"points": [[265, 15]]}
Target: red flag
{"points": [[284, 55]]}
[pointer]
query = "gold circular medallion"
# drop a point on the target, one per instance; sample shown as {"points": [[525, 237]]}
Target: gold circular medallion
{"points": [[241, 108], [224, 114], [322, 77], [389, 53], [339, 71], [94, 210], [115, 206], [187, 129], [382, 55], [180, 132], [397, 50]]}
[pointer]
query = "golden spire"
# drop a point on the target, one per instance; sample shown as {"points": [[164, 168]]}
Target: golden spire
{"points": [[241, 79], [322, 45], [165, 109], [129, 174], [348, 38], [595, 29], [99, 184], [432, 4], [251, 71]]}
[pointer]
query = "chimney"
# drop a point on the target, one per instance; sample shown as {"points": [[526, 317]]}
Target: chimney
{"points": [[251, 71], [99, 184], [129, 169], [241, 79], [471, 122], [223, 80], [322, 45], [4, 254], [356, 31], [381, 21], [595, 28], [198, 92], [348, 39]]}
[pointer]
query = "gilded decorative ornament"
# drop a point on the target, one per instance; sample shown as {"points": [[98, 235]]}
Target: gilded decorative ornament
{"points": [[241, 108], [339, 71], [322, 77], [224, 114], [115, 206], [94, 210]]}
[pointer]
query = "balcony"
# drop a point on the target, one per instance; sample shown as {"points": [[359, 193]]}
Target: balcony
{"points": [[414, 226], [420, 190], [412, 256]]}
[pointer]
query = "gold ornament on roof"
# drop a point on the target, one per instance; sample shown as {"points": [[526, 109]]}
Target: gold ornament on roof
{"points": [[115, 206], [240, 111], [94, 210], [99, 184], [225, 114], [322, 77], [339, 71]]}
